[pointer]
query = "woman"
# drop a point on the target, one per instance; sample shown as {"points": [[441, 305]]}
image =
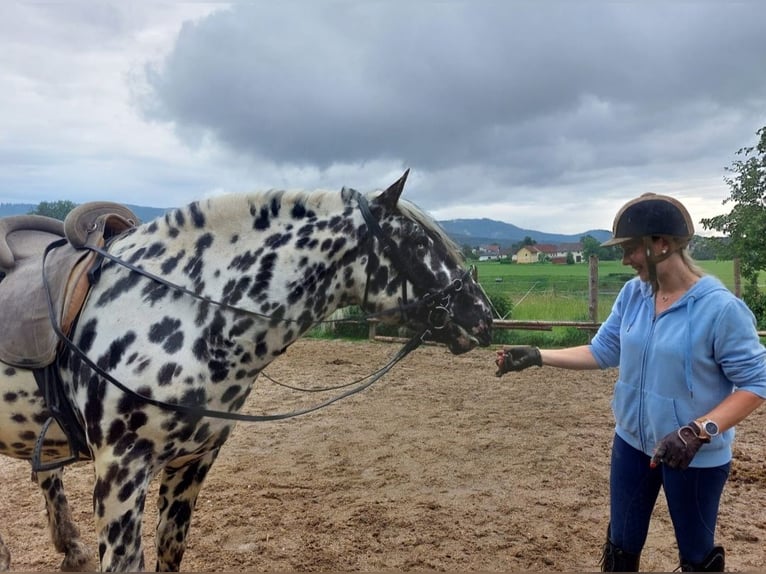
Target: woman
{"points": [[691, 367]]}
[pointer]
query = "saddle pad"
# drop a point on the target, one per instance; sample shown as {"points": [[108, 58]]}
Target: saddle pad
{"points": [[27, 338]]}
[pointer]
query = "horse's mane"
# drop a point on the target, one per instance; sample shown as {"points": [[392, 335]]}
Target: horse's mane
{"points": [[320, 200], [413, 212]]}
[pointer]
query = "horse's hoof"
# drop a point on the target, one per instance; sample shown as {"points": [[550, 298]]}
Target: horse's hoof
{"points": [[78, 559]]}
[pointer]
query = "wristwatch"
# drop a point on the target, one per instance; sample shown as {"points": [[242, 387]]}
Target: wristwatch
{"points": [[710, 428]]}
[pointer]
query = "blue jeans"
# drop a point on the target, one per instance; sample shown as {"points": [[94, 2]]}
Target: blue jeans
{"points": [[693, 496]]}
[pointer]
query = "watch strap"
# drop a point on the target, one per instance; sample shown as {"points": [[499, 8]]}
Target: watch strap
{"points": [[699, 429]]}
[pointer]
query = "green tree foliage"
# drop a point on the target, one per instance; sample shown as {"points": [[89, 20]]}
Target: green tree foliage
{"points": [[502, 304], [708, 248], [592, 246], [55, 209], [745, 224]]}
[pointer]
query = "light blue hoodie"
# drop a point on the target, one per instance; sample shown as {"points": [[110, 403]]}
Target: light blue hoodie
{"points": [[677, 366]]}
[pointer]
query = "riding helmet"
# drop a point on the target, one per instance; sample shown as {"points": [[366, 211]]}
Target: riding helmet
{"points": [[651, 215]]}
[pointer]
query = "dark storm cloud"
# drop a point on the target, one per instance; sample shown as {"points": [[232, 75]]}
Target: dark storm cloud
{"points": [[534, 91]]}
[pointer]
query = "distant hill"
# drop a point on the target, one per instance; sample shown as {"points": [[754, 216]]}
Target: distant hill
{"points": [[484, 231], [145, 214], [142, 212], [7, 209], [473, 232]]}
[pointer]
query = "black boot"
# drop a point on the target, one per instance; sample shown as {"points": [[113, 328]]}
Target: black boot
{"points": [[715, 561], [615, 559]]}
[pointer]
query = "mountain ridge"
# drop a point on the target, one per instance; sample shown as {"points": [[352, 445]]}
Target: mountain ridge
{"points": [[144, 213], [485, 230]]}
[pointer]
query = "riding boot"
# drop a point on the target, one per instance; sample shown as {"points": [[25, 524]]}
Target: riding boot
{"points": [[615, 559], [715, 561]]}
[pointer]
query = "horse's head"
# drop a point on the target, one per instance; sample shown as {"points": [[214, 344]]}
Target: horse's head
{"points": [[414, 270]]}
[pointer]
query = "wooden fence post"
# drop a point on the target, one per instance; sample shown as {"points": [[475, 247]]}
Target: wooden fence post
{"points": [[737, 278], [593, 288]]}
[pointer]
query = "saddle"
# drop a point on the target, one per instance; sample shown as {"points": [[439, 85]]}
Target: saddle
{"points": [[27, 336], [46, 271]]}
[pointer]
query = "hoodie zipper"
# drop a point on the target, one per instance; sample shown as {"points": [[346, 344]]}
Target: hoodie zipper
{"points": [[642, 383]]}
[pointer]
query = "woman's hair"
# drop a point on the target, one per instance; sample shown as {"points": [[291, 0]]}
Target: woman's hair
{"points": [[681, 244]]}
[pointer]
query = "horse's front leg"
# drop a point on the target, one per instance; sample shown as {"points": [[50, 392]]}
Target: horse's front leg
{"points": [[64, 532], [179, 487], [118, 506]]}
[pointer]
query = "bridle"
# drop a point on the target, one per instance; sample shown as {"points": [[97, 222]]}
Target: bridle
{"points": [[437, 303]]}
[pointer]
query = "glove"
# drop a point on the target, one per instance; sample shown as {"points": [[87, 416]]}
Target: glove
{"points": [[677, 449], [517, 359]]}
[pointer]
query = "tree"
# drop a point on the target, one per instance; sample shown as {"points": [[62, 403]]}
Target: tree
{"points": [[592, 246], [467, 251], [707, 248], [745, 224], [55, 209]]}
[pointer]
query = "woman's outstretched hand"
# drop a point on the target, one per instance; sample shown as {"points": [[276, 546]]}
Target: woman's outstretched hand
{"points": [[517, 359]]}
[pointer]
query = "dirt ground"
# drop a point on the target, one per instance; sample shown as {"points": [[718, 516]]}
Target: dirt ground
{"points": [[439, 466]]}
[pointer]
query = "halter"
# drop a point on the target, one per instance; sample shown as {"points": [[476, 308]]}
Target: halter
{"points": [[437, 303]]}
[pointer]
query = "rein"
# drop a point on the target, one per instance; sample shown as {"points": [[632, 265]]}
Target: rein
{"points": [[195, 411], [436, 302]]}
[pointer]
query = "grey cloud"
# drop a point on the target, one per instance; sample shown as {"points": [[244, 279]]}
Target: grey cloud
{"points": [[540, 90]]}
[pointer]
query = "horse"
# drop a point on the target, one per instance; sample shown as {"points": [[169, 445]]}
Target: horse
{"points": [[186, 311]]}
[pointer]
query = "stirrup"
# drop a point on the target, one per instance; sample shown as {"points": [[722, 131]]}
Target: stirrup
{"points": [[38, 465]]}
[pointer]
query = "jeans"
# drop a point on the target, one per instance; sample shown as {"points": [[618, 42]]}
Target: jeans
{"points": [[693, 496]]}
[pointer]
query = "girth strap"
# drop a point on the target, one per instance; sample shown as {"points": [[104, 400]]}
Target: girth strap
{"points": [[49, 382]]}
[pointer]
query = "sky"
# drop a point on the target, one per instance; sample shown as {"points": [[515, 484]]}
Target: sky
{"points": [[545, 114]]}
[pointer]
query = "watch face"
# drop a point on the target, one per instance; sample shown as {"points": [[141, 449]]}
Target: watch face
{"points": [[711, 428]]}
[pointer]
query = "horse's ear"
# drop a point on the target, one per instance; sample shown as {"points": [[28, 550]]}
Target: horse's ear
{"points": [[389, 197]]}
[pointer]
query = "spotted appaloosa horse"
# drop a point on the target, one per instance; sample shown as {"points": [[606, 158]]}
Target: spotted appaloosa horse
{"points": [[271, 265]]}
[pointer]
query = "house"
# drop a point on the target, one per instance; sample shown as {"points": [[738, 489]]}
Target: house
{"points": [[489, 252], [549, 252], [529, 254]]}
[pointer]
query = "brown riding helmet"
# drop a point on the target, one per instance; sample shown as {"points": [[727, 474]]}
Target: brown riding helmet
{"points": [[651, 215]]}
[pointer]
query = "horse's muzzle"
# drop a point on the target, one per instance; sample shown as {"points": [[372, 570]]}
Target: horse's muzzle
{"points": [[461, 340]]}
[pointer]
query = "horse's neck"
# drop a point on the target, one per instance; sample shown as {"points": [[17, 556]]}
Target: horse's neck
{"points": [[276, 256]]}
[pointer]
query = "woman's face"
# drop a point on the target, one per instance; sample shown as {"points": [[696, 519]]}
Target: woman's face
{"points": [[634, 255]]}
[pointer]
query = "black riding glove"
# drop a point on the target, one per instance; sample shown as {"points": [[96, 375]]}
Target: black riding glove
{"points": [[517, 359], [677, 449]]}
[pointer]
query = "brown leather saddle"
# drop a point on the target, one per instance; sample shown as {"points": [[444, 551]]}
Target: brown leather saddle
{"points": [[47, 272], [27, 336]]}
